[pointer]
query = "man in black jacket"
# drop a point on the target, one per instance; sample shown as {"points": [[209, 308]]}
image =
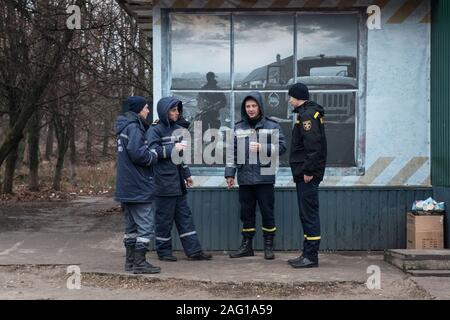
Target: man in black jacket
{"points": [[255, 185], [307, 160]]}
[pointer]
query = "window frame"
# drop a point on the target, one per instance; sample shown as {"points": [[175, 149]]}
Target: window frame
{"points": [[360, 91]]}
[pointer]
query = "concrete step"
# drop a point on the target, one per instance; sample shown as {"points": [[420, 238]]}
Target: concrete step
{"points": [[412, 259], [430, 273]]}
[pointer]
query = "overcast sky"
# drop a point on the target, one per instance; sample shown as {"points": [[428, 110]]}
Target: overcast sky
{"points": [[201, 43]]}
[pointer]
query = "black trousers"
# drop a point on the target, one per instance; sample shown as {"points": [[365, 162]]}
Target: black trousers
{"points": [[308, 204], [249, 196]]}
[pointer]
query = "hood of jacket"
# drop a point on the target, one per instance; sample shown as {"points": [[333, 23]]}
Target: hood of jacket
{"points": [[124, 120], [164, 105], [258, 98]]}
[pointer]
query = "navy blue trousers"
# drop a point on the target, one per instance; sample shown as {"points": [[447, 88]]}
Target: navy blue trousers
{"points": [[308, 204], [170, 210]]}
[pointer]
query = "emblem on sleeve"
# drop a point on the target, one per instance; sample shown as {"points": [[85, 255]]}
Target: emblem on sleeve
{"points": [[307, 125]]}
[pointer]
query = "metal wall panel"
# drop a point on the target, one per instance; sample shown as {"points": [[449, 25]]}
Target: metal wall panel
{"points": [[352, 218], [442, 194], [440, 94]]}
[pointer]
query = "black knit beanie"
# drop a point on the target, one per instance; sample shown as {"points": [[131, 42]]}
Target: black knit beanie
{"points": [[299, 91]]}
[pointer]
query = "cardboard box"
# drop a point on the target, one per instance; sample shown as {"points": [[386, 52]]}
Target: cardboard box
{"points": [[424, 231]]}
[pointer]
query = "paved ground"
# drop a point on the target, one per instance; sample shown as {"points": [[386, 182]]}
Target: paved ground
{"points": [[39, 241]]}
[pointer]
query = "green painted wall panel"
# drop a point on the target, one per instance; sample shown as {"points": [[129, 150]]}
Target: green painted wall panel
{"points": [[440, 93], [352, 218]]}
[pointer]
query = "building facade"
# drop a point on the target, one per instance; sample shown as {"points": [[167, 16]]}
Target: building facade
{"points": [[380, 69]]}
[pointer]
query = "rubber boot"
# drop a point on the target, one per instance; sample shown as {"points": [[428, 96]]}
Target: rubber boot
{"points": [[141, 265], [245, 250], [129, 260], [268, 247]]}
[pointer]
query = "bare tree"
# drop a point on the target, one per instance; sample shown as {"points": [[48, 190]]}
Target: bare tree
{"points": [[32, 50], [76, 79], [34, 129]]}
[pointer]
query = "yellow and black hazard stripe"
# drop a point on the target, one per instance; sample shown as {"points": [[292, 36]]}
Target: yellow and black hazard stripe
{"points": [[404, 9], [312, 238]]}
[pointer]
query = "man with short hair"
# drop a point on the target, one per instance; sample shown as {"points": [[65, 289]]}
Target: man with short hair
{"points": [[134, 183], [255, 186], [307, 159]]}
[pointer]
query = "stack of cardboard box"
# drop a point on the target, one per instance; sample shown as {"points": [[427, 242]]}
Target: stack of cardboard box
{"points": [[425, 231]]}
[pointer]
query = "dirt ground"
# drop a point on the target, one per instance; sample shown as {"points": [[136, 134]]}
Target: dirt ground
{"points": [[50, 283]]}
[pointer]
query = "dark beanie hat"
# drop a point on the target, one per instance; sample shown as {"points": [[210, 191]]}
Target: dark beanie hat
{"points": [[135, 103], [299, 91]]}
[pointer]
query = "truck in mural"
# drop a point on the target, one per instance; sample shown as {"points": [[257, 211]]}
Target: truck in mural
{"points": [[333, 83]]}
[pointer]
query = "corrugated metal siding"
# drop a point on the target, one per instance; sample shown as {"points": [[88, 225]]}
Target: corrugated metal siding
{"points": [[442, 194], [440, 94], [351, 218]]}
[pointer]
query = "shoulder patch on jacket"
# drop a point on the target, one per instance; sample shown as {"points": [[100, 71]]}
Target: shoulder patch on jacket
{"points": [[154, 123], [307, 125]]}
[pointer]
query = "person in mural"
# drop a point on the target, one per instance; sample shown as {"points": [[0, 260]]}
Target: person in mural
{"points": [[134, 183], [307, 159], [255, 186], [170, 185], [210, 104]]}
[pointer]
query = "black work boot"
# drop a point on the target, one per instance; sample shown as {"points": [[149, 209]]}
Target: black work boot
{"points": [[169, 257], [245, 250], [129, 260], [305, 262], [141, 265], [200, 256], [268, 248], [295, 260]]}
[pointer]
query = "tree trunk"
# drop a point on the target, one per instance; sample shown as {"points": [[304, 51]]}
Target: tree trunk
{"points": [[106, 124], [59, 168], [89, 143], [63, 144], [73, 155], [21, 150], [33, 151], [10, 168], [63, 124], [49, 142]]}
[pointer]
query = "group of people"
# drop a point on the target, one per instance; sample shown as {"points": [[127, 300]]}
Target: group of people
{"points": [[152, 187]]}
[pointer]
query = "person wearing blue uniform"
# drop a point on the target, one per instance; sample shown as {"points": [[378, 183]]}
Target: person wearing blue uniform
{"points": [[134, 183], [170, 185]]}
